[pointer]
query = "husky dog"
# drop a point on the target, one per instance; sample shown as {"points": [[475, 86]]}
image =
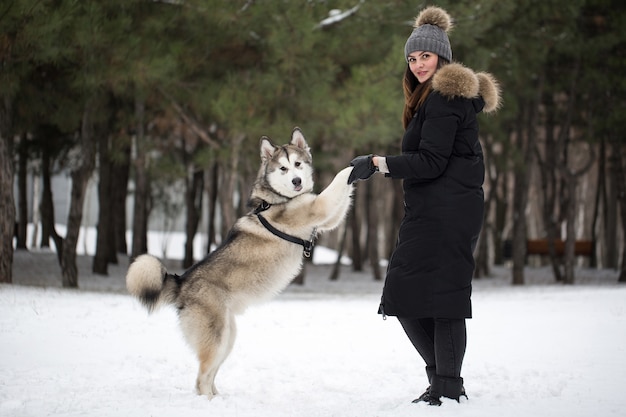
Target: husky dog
{"points": [[261, 255]]}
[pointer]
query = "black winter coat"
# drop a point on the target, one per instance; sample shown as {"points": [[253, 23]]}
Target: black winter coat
{"points": [[430, 271]]}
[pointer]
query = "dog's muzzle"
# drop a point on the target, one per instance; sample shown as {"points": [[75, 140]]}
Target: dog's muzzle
{"points": [[297, 183]]}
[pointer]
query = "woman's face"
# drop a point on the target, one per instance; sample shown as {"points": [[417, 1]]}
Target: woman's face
{"points": [[423, 64]]}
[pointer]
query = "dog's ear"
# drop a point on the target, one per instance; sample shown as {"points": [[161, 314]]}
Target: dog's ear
{"points": [[297, 139], [267, 148]]}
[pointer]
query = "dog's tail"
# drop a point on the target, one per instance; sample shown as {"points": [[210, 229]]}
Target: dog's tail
{"points": [[148, 280]]}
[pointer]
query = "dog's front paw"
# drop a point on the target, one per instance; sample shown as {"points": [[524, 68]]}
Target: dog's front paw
{"points": [[339, 184]]}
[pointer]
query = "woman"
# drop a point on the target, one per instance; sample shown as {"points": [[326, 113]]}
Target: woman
{"points": [[429, 278]]}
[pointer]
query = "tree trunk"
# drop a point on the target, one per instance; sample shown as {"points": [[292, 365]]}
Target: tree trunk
{"points": [[69, 268], [372, 229], [227, 207], [570, 240], [598, 199], [501, 202], [520, 199], [212, 192], [22, 199], [36, 205], [570, 177], [227, 189], [482, 250], [194, 185], [355, 228], [119, 187], [620, 185], [46, 206], [611, 207], [104, 242], [142, 190], [7, 206], [526, 136], [336, 271], [80, 176], [549, 186], [48, 229]]}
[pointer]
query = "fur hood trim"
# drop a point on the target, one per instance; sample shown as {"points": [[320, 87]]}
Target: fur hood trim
{"points": [[456, 80]]}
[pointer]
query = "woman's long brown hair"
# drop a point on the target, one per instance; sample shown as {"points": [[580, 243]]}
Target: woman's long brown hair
{"points": [[415, 93]]}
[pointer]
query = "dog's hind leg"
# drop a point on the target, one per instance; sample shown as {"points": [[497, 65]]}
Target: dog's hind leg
{"points": [[211, 354], [205, 383]]}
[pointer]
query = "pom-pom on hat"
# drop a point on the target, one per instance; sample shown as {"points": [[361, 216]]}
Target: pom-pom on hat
{"points": [[430, 33]]}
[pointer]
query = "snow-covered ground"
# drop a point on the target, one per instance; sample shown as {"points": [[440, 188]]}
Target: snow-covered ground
{"points": [[316, 350]]}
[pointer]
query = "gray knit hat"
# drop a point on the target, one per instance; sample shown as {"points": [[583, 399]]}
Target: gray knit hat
{"points": [[430, 33]]}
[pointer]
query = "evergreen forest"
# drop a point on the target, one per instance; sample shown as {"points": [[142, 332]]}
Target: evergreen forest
{"points": [[143, 96]]}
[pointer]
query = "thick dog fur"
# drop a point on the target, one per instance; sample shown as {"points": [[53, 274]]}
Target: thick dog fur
{"points": [[252, 264]]}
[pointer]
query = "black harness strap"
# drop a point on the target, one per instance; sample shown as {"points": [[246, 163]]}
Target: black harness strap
{"points": [[307, 245]]}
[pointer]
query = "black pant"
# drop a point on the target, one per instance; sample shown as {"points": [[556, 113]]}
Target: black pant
{"points": [[441, 343]]}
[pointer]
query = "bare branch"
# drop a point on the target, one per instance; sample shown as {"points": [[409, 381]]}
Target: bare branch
{"points": [[191, 122], [336, 16]]}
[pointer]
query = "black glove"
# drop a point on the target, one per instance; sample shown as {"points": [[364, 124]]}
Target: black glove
{"points": [[363, 168]]}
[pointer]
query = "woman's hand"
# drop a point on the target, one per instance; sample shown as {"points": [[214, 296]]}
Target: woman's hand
{"points": [[363, 168]]}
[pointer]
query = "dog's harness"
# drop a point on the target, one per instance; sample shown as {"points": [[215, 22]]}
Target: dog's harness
{"points": [[307, 245]]}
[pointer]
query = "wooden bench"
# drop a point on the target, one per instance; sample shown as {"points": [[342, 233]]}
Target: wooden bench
{"points": [[540, 247]]}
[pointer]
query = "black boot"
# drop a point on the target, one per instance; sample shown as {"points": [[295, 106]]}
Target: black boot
{"points": [[447, 387], [426, 397], [431, 371]]}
